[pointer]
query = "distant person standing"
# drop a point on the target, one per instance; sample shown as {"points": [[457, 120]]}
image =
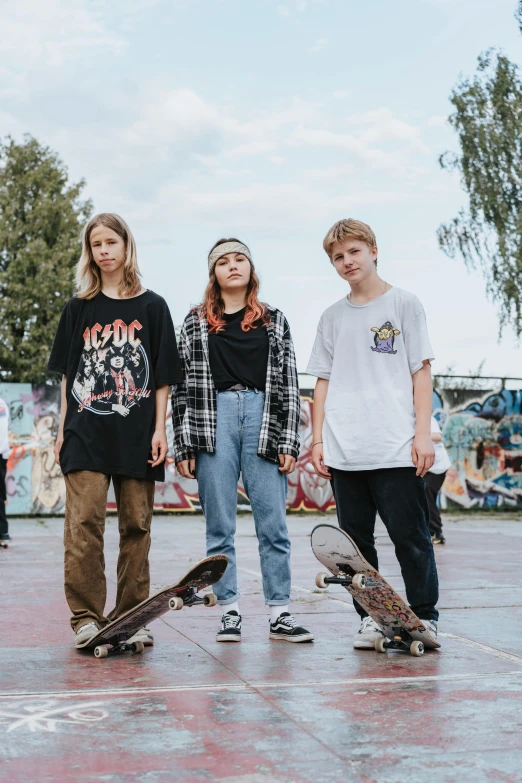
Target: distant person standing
{"points": [[434, 479], [4, 454]]}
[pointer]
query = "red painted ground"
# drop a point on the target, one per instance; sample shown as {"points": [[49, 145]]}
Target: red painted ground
{"points": [[263, 712]]}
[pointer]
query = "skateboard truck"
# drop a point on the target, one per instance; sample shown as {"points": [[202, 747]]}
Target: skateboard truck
{"points": [[357, 581], [190, 597], [119, 645], [401, 641]]}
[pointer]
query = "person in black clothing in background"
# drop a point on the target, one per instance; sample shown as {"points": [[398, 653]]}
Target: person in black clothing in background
{"points": [[111, 429], [434, 479], [4, 454]]}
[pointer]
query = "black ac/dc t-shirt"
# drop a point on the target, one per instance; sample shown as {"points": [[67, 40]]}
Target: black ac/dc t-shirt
{"points": [[236, 356], [114, 354]]}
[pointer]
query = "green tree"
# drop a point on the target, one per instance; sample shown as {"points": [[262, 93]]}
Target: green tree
{"points": [[488, 234], [41, 216]]}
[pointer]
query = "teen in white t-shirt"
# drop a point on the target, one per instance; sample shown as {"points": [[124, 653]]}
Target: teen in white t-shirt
{"points": [[372, 414]]}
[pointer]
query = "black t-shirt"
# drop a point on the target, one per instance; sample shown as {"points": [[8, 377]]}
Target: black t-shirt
{"points": [[114, 354], [237, 356]]}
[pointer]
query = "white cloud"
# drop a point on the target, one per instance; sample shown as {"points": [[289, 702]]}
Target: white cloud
{"points": [[380, 125], [48, 33], [437, 121], [261, 207], [377, 137]]}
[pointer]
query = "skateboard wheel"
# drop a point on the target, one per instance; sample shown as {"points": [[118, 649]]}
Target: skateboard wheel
{"points": [[320, 580], [359, 581], [138, 647], [176, 603], [210, 599], [101, 652], [380, 644], [417, 649]]}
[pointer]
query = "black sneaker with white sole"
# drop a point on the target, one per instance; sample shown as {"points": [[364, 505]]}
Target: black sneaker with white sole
{"points": [[230, 630], [286, 629]]}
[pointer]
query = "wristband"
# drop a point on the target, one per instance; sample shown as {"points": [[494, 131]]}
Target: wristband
{"points": [[316, 443]]}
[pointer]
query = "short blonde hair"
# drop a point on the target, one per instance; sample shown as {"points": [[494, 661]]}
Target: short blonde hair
{"points": [[349, 229], [88, 278]]}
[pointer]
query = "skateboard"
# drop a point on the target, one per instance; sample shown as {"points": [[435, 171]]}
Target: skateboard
{"points": [[402, 628], [112, 639]]}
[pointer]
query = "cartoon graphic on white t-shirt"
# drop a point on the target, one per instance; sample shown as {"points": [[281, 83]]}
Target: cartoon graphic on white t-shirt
{"points": [[384, 338]]}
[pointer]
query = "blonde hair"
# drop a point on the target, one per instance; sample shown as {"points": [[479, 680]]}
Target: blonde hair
{"points": [[349, 229], [88, 277]]}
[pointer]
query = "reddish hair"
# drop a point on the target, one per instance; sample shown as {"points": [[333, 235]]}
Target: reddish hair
{"points": [[213, 306]]}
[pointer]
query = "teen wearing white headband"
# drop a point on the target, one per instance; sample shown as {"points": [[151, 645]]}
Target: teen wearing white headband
{"points": [[237, 411]]}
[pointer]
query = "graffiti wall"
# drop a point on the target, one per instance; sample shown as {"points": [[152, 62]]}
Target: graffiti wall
{"points": [[482, 432], [483, 436], [35, 484], [34, 481]]}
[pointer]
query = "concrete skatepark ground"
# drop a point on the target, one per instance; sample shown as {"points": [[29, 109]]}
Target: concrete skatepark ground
{"points": [[193, 710]]}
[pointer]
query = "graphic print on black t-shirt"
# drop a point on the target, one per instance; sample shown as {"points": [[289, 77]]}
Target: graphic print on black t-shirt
{"points": [[113, 373]]}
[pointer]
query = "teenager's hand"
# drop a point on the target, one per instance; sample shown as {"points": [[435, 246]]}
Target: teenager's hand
{"points": [[121, 409], [318, 461], [422, 453], [159, 448], [187, 468], [287, 464], [57, 446]]}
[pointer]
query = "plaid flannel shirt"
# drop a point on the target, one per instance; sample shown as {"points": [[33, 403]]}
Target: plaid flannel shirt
{"points": [[194, 401]]}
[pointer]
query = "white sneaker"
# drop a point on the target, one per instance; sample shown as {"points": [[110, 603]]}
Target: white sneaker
{"points": [[85, 633], [365, 637], [431, 625], [144, 635]]}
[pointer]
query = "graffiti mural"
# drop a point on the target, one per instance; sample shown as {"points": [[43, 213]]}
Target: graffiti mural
{"points": [[484, 442], [482, 432], [35, 483]]}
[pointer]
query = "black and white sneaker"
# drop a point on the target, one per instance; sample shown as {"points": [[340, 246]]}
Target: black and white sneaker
{"points": [[286, 629], [230, 630]]}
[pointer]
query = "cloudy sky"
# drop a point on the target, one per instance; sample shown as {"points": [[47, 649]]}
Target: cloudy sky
{"points": [[268, 120]]}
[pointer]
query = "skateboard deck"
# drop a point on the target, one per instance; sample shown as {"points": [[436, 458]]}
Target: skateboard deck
{"points": [[338, 552], [112, 639]]}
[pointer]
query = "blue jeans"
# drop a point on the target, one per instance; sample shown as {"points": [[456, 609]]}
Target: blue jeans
{"points": [[239, 417]]}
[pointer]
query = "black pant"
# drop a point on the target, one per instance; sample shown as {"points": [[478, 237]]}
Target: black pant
{"points": [[400, 498], [434, 482], [4, 529]]}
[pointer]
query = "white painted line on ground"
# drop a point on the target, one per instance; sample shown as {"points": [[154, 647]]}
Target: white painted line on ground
{"points": [[483, 647], [257, 685]]}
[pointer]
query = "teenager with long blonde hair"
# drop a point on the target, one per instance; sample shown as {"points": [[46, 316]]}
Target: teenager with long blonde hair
{"points": [[112, 424], [237, 411]]}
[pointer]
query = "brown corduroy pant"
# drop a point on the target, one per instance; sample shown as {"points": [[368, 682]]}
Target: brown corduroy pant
{"points": [[85, 510]]}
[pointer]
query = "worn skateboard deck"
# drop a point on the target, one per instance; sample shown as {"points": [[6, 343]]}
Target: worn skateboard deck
{"points": [[112, 639], [336, 550]]}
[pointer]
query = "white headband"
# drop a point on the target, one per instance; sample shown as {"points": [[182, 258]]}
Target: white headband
{"points": [[223, 249]]}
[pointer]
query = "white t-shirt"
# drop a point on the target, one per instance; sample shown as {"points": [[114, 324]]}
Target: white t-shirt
{"points": [[442, 460], [4, 429], [369, 353]]}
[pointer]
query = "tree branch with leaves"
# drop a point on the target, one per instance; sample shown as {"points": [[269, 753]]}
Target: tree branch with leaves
{"points": [[41, 217], [488, 234]]}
